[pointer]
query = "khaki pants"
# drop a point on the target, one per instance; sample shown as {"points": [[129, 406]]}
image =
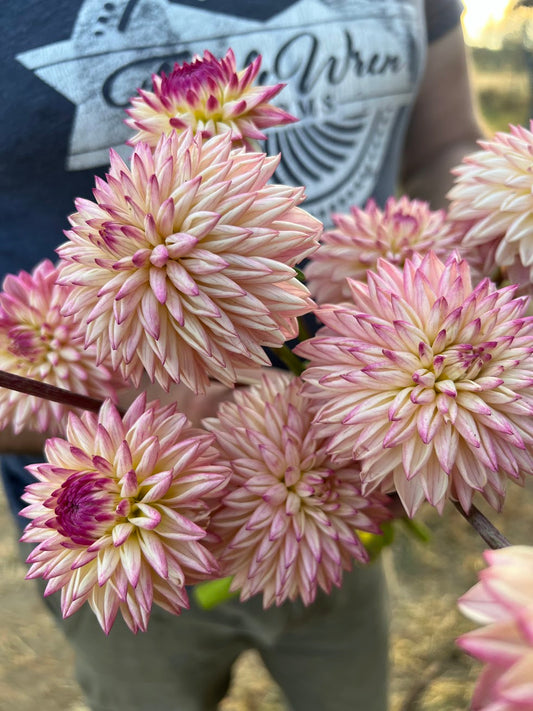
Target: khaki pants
{"points": [[330, 656]]}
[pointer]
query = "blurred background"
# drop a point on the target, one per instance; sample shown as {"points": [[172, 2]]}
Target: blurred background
{"points": [[499, 39], [429, 673]]}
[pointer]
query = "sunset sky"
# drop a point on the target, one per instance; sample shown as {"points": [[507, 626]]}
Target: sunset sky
{"points": [[480, 14]]}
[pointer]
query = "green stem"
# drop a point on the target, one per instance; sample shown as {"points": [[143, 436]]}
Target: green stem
{"points": [[417, 529], [304, 333], [294, 364]]}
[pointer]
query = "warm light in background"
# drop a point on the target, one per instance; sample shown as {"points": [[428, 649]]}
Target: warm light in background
{"points": [[499, 42], [479, 14]]}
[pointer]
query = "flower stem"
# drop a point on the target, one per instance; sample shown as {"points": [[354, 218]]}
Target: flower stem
{"points": [[304, 332], [48, 392], [294, 364], [488, 532], [416, 529]]}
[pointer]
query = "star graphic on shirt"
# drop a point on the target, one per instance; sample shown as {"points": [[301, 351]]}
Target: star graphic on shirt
{"points": [[345, 63], [114, 49]]}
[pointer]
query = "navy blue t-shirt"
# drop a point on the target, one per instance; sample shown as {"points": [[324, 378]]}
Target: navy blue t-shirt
{"points": [[352, 69]]}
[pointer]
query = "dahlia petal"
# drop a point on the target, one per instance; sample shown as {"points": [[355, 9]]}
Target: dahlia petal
{"points": [[105, 606], [156, 486], [158, 284], [201, 223], [149, 519], [181, 244], [149, 458], [129, 484], [415, 456], [446, 442], [107, 560], [410, 492], [154, 552], [436, 485], [181, 279], [121, 533], [68, 603]]}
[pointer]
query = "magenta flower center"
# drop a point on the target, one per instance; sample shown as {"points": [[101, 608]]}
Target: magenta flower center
{"points": [[84, 506], [473, 357], [189, 77], [322, 482], [34, 343], [159, 256], [405, 224], [25, 343], [466, 361]]}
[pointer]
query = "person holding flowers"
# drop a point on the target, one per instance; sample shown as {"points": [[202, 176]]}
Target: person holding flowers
{"points": [[181, 267]]}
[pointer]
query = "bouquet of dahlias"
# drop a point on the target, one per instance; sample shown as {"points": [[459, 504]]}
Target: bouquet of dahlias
{"points": [[418, 386]]}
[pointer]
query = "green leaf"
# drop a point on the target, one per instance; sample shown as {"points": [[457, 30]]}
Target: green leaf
{"points": [[418, 530], [299, 275], [375, 542], [212, 593]]}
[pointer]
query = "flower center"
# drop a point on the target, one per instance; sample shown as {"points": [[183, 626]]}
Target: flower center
{"points": [[159, 256], [199, 74], [25, 343], [312, 487], [84, 507], [473, 358], [465, 361], [404, 229], [39, 343]]}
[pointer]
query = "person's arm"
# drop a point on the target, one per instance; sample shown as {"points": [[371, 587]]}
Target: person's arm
{"points": [[443, 128]]}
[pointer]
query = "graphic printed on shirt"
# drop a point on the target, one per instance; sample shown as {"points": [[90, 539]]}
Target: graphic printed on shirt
{"points": [[350, 67]]}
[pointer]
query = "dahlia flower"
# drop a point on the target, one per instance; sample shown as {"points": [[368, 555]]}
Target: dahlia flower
{"points": [[120, 510], [503, 602], [427, 381], [493, 192], [404, 227], [183, 265], [210, 97], [289, 522], [37, 342]]}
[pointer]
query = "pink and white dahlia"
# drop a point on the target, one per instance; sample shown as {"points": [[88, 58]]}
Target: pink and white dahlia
{"points": [[37, 342], [365, 235], [503, 603], [184, 264], [427, 381], [210, 97], [120, 511], [493, 192], [289, 522]]}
